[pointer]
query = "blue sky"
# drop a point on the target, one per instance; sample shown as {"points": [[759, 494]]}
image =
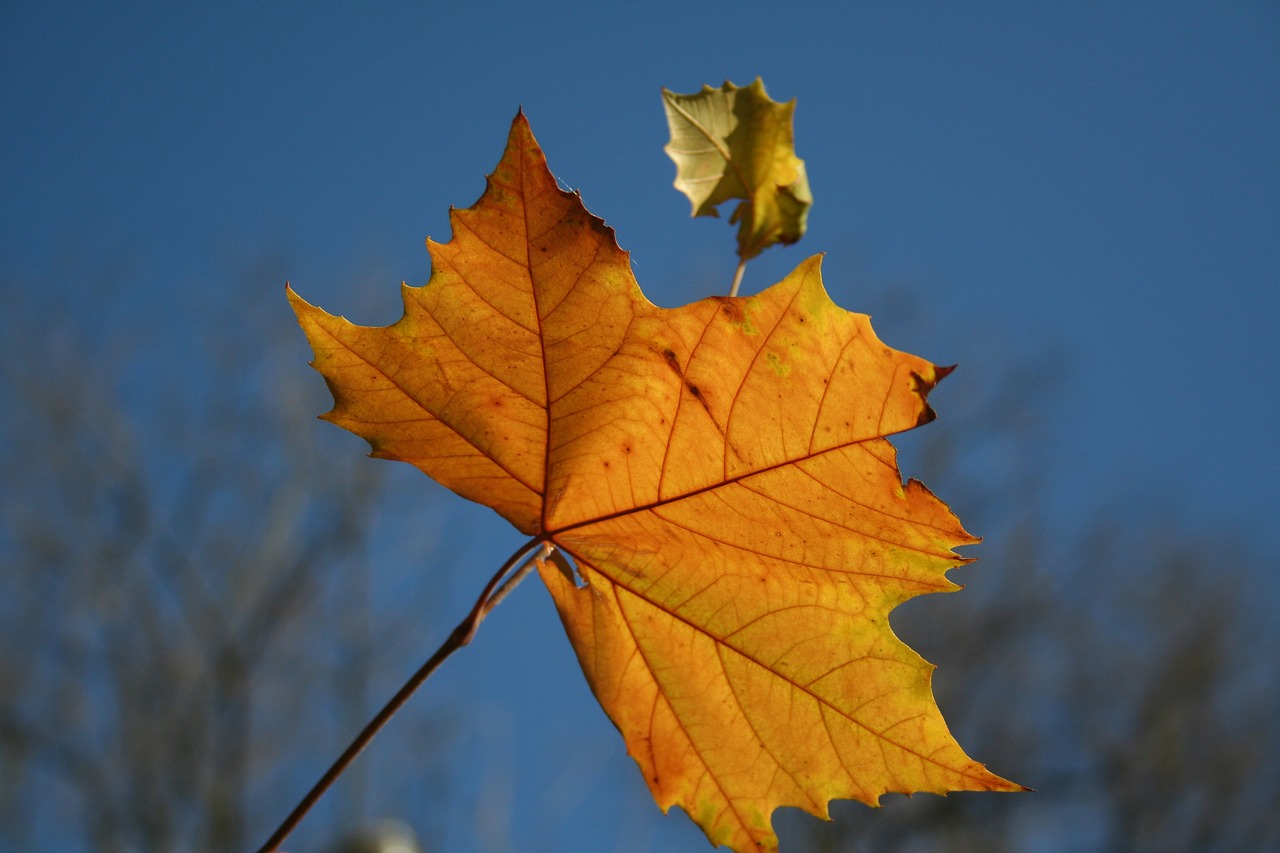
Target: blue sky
{"points": [[1097, 178]]}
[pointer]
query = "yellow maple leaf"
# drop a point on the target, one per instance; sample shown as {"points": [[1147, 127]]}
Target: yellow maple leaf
{"points": [[737, 142], [717, 473]]}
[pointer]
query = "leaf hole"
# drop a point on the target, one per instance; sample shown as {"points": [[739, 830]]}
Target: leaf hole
{"points": [[573, 573]]}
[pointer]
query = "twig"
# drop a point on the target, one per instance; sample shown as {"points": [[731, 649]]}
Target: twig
{"points": [[737, 277], [499, 586]]}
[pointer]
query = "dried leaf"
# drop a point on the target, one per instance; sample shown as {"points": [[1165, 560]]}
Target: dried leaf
{"points": [[736, 142], [717, 473]]}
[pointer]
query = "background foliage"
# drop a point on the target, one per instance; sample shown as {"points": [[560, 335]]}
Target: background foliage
{"points": [[193, 620]]}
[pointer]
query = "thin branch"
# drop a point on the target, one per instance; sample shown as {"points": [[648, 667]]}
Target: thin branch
{"points": [[737, 277], [512, 582], [498, 587]]}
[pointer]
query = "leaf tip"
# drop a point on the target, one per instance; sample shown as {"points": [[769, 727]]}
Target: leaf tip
{"points": [[296, 302], [521, 123]]}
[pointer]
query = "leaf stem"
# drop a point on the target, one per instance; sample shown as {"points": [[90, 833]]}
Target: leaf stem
{"points": [[737, 277], [514, 570]]}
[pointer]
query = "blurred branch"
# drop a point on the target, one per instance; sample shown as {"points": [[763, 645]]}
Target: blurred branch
{"points": [[179, 560], [1122, 670]]}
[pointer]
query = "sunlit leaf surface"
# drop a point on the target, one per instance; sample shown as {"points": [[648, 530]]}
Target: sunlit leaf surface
{"points": [[717, 473]]}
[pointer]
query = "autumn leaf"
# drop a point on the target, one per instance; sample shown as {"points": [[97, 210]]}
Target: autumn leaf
{"points": [[737, 142], [735, 525]]}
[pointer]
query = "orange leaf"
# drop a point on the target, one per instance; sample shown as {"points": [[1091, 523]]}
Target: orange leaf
{"points": [[719, 475]]}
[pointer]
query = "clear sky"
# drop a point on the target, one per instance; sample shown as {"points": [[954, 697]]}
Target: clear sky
{"points": [[1098, 178]]}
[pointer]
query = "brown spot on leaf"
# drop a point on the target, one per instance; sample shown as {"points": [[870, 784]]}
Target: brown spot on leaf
{"points": [[730, 308], [673, 362]]}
